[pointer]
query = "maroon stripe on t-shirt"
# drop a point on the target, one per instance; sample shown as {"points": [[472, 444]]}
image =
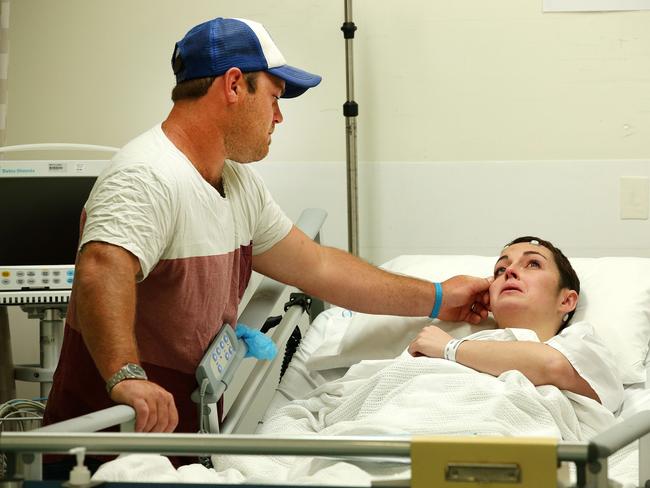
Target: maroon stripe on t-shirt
{"points": [[181, 306], [79, 389], [183, 303]]}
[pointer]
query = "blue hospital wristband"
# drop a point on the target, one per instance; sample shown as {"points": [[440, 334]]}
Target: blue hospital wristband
{"points": [[438, 302]]}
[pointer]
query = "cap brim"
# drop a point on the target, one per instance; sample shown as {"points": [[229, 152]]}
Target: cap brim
{"points": [[296, 80]]}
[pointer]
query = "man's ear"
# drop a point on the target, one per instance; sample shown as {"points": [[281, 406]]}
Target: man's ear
{"points": [[234, 84], [569, 300]]}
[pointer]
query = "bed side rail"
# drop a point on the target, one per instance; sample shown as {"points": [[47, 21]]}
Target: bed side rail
{"points": [[261, 371], [17, 444], [192, 444], [258, 309], [607, 443], [269, 291], [29, 465], [122, 415]]}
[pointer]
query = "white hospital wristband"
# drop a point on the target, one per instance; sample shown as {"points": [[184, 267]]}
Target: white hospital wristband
{"points": [[451, 348]]}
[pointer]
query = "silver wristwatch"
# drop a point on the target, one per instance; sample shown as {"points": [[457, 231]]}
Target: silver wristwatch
{"points": [[129, 371]]}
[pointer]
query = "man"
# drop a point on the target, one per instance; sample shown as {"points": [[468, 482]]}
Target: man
{"points": [[173, 228]]}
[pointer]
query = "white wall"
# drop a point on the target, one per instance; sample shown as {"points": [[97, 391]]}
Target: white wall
{"points": [[475, 207], [99, 72], [475, 80], [437, 83], [462, 80]]}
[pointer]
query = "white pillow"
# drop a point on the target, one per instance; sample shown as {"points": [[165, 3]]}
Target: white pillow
{"points": [[614, 297], [386, 336]]}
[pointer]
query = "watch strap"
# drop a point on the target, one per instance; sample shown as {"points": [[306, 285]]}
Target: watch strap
{"points": [[129, 371]]}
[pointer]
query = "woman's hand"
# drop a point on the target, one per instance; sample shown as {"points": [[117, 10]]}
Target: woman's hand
{"points": [[430, 341]]}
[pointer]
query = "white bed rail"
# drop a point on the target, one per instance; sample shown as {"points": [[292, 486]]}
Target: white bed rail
{"points": [[260, 372], [590, 455], [51, 440], [122, 415], [58, 146], [269, 291], [607, 443], [267, 294]]}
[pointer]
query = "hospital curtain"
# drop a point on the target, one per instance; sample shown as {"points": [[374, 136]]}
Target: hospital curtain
{"points": [[4, 63], [7, 384]]}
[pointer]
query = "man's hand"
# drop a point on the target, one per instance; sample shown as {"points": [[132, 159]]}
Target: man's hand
{"points": [[430, 342], [465, 298], [339, 278], [155, 410]]}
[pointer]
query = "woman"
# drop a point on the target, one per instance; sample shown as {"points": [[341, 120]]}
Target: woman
{"points": [[533, 297]]}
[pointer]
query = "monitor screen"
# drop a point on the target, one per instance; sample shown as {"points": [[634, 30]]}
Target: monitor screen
{"points": [[42, 203], [41, 224]]}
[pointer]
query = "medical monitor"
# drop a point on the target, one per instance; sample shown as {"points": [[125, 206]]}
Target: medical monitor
{"points": [[42, 202]]}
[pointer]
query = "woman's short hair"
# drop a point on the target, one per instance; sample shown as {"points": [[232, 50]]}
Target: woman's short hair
{"points": [[568, 277]]}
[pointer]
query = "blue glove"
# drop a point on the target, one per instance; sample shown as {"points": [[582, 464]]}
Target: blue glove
{"points": [[259, 346]]}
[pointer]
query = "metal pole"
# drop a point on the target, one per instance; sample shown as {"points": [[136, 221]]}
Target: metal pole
{"points": [[7, 383], [51, 324], [350, 111], [51, 331], [109, 442], [49, 439]]}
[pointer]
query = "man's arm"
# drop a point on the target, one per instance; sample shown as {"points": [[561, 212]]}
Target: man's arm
{"points": [[105, 312], [342, 279], [539, 362]]}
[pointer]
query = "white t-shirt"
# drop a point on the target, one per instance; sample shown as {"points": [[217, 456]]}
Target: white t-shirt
{"points": [[584, 350], [194, 245]]}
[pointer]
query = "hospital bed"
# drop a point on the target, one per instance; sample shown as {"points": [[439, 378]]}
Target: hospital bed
{"points": [[338, 339]]}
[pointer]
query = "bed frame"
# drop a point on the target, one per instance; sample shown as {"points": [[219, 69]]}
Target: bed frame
{"points": [[504, 461]]}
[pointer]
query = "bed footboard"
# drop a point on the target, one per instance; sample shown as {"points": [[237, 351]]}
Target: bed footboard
{"points": [[589, 455]]}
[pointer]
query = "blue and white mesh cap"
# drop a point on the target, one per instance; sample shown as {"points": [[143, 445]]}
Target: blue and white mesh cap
{"points": [[212, 48]]}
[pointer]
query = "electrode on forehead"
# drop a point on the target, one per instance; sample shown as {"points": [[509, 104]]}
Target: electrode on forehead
{"points": [[534, 242]]}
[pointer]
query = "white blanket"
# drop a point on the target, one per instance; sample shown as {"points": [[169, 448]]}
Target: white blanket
{"points": [[394, 397]]}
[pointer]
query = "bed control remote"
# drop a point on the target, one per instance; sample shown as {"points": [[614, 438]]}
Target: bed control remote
{"points": [[218, 365]]}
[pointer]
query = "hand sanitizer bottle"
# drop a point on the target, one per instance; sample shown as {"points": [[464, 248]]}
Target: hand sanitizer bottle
{"points": [[80, 474]]}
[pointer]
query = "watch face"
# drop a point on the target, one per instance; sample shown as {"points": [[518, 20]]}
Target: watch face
{"points": [[135, 369], [127, 372]]}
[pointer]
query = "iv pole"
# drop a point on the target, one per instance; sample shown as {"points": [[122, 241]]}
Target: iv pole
{"points": [[350, 111]]}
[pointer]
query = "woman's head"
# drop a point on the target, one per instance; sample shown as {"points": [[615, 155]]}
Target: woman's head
{"points": [[535, 286]]}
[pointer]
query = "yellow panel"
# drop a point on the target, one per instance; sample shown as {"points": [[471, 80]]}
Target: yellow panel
{"points": [[436, 460]]}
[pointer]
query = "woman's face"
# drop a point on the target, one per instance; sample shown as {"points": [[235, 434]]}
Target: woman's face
{"points": [[526, 289]]}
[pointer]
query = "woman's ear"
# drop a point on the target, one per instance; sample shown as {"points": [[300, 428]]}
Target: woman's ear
{"points": [[569, 300]]}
